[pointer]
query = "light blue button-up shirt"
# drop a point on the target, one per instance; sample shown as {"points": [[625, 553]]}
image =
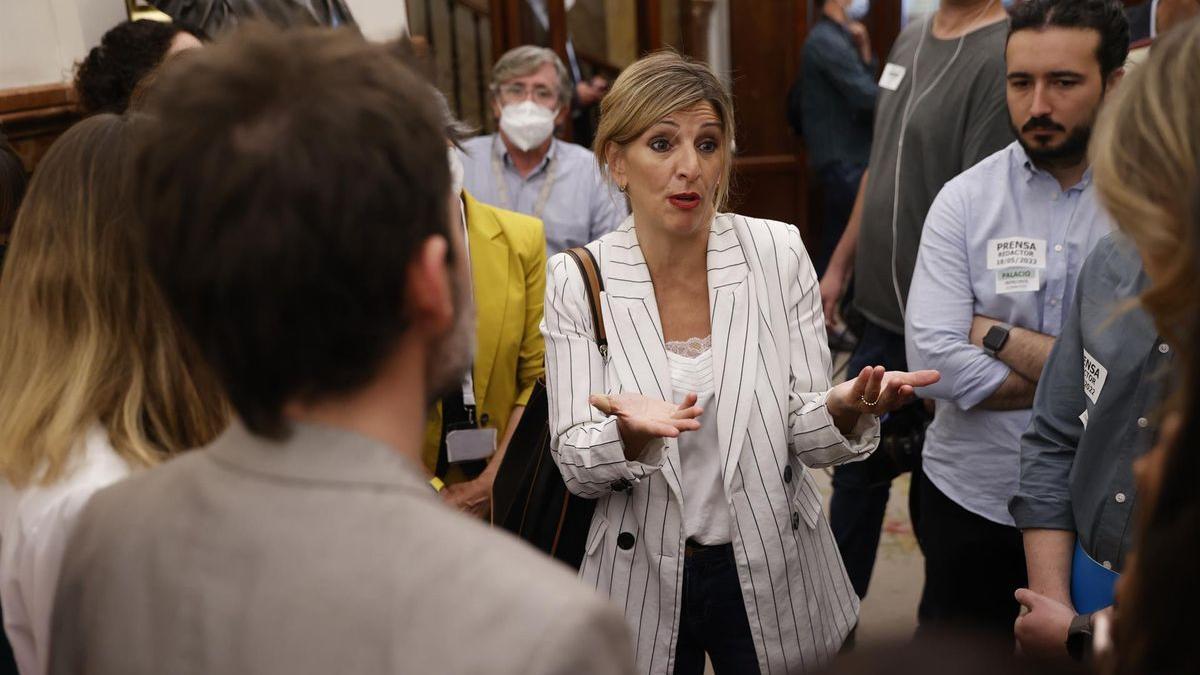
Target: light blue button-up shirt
{"points": [[580, 207], [1002, 240]]}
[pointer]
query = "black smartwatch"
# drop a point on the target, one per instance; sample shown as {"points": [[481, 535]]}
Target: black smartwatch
{"points": [[1079, 637], [995, 338]]}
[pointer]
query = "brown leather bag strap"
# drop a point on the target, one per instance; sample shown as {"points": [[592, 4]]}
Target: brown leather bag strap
{"points": [[594, 286]]}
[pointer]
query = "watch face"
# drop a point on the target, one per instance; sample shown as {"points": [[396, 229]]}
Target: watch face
{"points": [[995, 338]]}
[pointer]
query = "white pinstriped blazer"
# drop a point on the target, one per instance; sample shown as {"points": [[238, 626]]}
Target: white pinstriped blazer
{"points": [[771, 366]]}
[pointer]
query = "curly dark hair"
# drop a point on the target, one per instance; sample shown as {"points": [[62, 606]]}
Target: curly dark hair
{"points": [[1106, 17], [106, 78]]}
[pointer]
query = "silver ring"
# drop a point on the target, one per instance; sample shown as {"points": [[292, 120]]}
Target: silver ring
{"points": [[869, 404]]}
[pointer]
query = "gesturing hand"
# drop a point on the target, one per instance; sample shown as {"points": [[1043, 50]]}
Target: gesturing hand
{"points": [[875, 391], [641, 419]]}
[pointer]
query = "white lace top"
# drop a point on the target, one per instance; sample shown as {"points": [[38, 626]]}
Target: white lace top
{"points": [[706, 516]]}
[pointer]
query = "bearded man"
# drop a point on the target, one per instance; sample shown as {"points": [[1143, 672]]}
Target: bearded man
{"points": [[997, 268]]}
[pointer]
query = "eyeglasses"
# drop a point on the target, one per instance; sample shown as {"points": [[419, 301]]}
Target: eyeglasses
{"points": [[516, 92]]}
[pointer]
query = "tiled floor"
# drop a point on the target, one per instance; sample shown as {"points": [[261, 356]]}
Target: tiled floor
{"points": [[889, 612]]}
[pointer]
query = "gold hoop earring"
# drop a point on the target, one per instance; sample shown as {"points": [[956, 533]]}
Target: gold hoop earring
{"points": [[623, 188]]}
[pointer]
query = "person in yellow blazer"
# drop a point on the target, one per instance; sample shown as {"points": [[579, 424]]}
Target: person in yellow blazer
{"points": [[507, 254]]}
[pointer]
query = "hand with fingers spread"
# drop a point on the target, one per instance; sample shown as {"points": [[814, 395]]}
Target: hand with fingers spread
{"points": [[876, 392], [641, 419]]}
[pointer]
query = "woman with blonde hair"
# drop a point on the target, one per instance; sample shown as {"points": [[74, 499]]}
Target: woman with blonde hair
{"points": [[693, 427], [96, 380], [1146, 163]]}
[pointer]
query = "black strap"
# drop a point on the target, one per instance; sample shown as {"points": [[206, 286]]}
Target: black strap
{"points": [[593, 283]]}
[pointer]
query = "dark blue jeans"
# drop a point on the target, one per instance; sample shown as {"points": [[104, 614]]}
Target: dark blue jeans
{"points": [[839, 186], [713, 617], [860, 497]]}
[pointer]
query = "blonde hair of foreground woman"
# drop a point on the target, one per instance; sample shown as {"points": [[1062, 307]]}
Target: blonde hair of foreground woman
{"points": [[652, 88], [1146, 164], [85, 336]]}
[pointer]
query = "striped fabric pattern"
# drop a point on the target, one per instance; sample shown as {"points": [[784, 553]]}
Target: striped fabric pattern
{"points": [[771, 370]]}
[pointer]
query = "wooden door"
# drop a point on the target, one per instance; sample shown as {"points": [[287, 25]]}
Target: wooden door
{"points": [[770, 178]]}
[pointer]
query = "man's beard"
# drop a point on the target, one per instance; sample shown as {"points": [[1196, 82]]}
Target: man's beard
{"points": [[1069, 152], [453, 353]]}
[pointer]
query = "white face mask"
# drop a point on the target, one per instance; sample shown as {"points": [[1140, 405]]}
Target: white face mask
{"points": [[456, 171], [858, 9], [526, 124]]}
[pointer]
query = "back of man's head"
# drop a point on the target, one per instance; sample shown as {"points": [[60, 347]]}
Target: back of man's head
{"points": [[288, 180], [1106, 17]]}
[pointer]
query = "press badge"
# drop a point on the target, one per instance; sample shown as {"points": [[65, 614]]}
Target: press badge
{"points": [[1094, 376], [469, 445], [892, 76], [1018, 262]]}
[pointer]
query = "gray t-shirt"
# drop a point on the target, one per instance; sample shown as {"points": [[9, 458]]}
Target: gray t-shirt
{"points": [[961, 120]]}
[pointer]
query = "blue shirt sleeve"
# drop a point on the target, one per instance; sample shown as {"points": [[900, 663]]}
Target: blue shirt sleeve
{"points": [[1043, 498], [941, 307]]}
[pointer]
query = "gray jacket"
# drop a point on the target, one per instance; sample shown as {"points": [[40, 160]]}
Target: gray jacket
{"points": [[328, 553]]}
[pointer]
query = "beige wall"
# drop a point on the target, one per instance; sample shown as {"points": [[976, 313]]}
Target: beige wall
{"points": [[380, 19], [41, 40]]}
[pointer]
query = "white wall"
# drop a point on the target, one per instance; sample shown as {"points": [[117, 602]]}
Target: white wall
{"points": [[380, 19], [41, 40]]}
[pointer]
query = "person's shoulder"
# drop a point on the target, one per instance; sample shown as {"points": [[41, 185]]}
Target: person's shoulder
{"points": [[525, 232], [1114, 257], [574, 153], [909, 36], [111, 505], [497, 573], [478, 146], [761, 238], [989, 41], [94, 466], [986, 176], [823, 33], [759, 228]]}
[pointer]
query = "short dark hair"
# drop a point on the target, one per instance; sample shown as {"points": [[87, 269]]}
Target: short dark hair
{"points": [[107, 76], [1106, 17], [287, 179]]}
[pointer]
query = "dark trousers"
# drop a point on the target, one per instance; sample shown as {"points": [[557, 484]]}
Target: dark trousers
{"points": [[860, 489], [839, 186], [713, 616], [972, 568]]}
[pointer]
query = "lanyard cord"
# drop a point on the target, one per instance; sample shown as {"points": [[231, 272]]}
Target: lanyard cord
{"points": [[539, 206]]}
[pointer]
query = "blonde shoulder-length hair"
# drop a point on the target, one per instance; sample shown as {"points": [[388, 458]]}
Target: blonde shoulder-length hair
{"points": [[85, 335], [652, 88], [1146, 164]]}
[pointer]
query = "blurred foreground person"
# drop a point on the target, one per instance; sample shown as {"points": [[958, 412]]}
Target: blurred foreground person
{"points": [[297, 209], [1147, 162], [96, 379]]}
